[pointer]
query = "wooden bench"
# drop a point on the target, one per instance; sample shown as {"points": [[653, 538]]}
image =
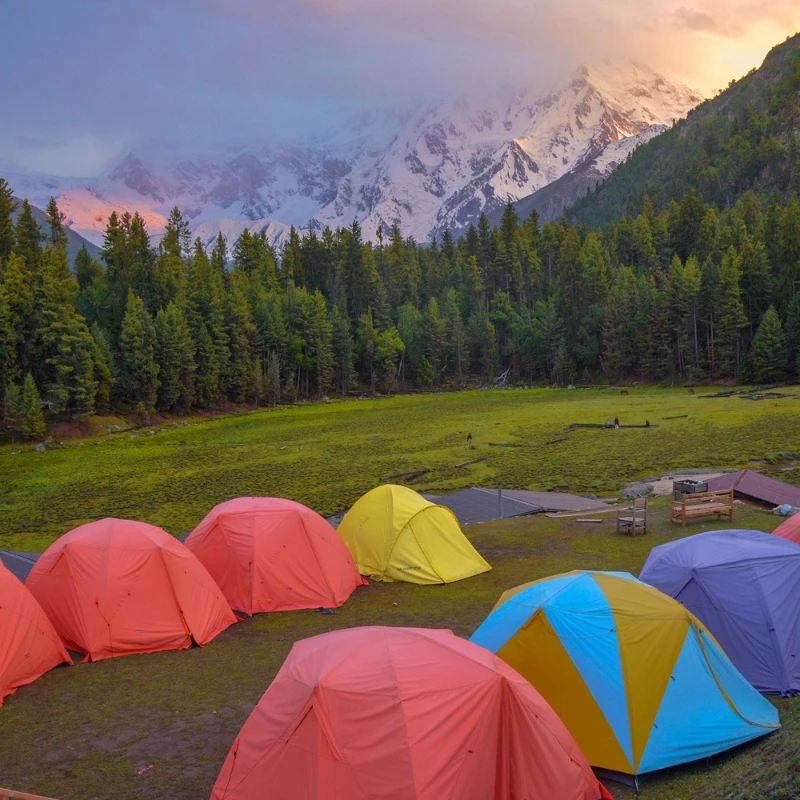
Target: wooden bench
{"points": [[719, 503], [633, 517]]}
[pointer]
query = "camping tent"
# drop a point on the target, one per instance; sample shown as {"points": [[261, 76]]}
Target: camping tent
{"points": [[396, 534], [116, 586], [269, 554], [29, 646], [396, 713], [789, 529], [636, 678], [745, 588]]}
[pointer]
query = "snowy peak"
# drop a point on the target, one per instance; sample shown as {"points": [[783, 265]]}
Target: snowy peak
{"points": [[438, 167]]}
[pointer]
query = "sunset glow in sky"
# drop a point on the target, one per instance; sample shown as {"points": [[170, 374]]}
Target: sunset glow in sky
{"points": [[84, 79]]}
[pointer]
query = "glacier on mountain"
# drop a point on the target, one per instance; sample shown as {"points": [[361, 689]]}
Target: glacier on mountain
{"points": [[432, 170]]}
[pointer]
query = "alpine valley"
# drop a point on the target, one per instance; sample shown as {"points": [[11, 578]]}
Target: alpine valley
{"points": [[433, 169]]}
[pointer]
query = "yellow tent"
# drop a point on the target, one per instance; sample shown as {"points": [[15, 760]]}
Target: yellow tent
{"points": [[395, 534]]}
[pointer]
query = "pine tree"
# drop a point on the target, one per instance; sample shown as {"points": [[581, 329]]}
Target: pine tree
{"points": [[219, 254], [138, 370], [66, 344], [7, 208], [174, 354], [241, 336], [28, 245], [208, 376], [18, 322], [435, 339], [86, 268], [57, 236], [177, 239], [730, 315], [272, 379], [104, 368], [12, 411], [343, 350], [768, 352], [33, 426]]}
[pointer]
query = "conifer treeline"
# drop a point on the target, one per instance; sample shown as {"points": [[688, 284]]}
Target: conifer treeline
{"points": [[682, 292]]}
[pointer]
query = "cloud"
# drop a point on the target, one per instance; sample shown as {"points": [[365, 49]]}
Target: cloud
{"points": [[91, 74], [695, 20]]}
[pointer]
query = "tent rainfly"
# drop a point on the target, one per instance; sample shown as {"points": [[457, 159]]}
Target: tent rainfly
{"points": [[398, 713], [789, 529], [637, 679], [270, 554], [116, 586], [744, 586], [29, 646], [396, 534]]}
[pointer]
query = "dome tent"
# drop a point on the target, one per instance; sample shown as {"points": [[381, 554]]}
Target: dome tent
{"points": [[116, 586], [396, 713], [636, 678], [29, 646], [396, 534], [745, 587], [270, 554], [789, 529]]}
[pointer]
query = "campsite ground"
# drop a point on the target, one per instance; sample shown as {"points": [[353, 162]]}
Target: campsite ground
{"points": [[86, 731]]}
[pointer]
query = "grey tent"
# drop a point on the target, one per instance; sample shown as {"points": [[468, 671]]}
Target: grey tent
{"points": [[745, 587]]}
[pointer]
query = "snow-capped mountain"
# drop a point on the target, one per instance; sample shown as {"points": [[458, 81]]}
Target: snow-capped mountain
{"points": [[428, 171]]}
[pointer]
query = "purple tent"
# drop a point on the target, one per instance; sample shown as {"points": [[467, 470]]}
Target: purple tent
{"points": [[745, 587]]}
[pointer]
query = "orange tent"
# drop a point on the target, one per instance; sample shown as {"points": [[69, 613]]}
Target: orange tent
{"points": [[269, 554], [789, 529], [116, 586], [397, 713], [29, 646]]}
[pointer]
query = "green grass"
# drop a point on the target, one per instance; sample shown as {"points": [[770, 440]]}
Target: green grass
{"points": [[86, 731], [172, 476]]}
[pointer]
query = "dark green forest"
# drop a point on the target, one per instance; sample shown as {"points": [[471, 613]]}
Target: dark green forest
{"points": [[743, 139], [697, 278]]}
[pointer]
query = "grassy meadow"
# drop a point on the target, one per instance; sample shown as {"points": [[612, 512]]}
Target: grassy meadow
{"points": [[86, 731]]}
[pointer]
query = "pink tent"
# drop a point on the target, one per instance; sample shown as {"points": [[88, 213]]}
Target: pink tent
{"points": [[270, 554], [399, 713], [789, 529], [117, 586], [29, 646]]}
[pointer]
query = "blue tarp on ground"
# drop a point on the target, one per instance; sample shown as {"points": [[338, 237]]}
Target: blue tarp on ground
{"points": [[745, 586]]}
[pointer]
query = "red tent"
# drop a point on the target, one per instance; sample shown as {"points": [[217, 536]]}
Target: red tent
{"points": [[269, 554], [29, 646], [116, 586], [789, 529], [398, 713]]}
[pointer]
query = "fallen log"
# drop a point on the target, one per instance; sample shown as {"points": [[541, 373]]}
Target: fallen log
{"points": [[679, 416], [404, 475], [601, 425], [567, 514], [556, 441], [471, 461], [589, 520]]}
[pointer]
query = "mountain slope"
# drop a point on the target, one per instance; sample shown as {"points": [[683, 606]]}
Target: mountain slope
{"points": [[551, 200], [745, 138], [74, 240], [435, 169], [456, 160]]}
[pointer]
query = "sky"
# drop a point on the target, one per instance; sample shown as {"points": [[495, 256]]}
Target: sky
{"points": [[83, 81]]}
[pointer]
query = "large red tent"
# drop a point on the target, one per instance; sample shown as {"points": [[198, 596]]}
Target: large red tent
{"points": [[29, 646], [789, 529], [398, 713], [116, 586], [271, 554]]}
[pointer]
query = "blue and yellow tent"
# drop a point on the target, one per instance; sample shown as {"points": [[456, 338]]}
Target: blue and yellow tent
{"points": [[638, 680]]}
